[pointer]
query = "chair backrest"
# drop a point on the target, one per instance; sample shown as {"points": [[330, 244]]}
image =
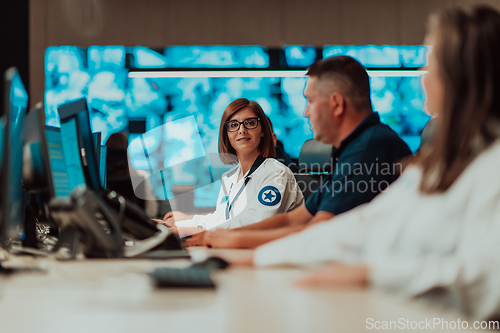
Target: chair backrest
{"points": [[309, 183], [123, 185], [315, 157], [428, 132], [315, 160]]}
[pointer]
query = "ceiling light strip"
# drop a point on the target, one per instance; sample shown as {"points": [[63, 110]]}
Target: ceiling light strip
{"points": [[258, 73]]}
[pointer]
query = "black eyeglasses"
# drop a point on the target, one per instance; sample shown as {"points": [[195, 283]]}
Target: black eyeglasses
{"points": [[234, 125]]}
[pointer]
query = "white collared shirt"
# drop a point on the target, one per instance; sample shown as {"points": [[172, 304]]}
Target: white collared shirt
{"points": [[415, 242], [270, 190]]}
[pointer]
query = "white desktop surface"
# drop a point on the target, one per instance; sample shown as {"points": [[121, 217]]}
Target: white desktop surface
{"points": [[117, 296]]}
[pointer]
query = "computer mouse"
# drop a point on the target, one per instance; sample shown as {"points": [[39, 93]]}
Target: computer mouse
{"points": [[212, 263]]}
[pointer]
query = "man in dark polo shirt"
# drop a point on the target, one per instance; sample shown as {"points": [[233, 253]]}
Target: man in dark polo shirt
{"points": [[365, 162]]}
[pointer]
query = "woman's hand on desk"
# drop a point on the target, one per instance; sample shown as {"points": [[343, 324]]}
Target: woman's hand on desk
{"points": [[175, 216], [169, 224], [172, 229], [337, 275]]}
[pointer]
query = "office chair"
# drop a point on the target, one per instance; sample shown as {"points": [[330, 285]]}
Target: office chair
{"points": [[315, 160]]}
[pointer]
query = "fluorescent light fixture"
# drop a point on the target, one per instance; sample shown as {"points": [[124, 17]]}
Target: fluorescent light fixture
{"points": [[406, 73], [257, 73]]}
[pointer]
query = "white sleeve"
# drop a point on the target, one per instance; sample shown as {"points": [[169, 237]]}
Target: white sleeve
{"points": [[471, 280], [341, 238], [469, 276], [256, 210], [326, 241]]}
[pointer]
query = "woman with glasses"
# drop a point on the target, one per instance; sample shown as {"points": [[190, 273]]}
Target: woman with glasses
{"points": [[258, 187]]}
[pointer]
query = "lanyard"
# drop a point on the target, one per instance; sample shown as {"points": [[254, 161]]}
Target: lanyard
{"points": [[254, 167]]}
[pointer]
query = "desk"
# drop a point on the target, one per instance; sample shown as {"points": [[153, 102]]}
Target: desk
{"points": [[117, 296]]}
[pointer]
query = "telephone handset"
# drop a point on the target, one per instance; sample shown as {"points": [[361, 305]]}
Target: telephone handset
{"points": [[138, 226], [102, 225], [101, 233]]}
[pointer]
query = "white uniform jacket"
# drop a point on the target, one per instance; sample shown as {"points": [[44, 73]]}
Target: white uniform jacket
{"points": [[416, 243], [271, 189]]}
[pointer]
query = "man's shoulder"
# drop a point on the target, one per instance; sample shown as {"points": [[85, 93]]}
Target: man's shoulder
{"points": [[382, 134], [381, 137]]}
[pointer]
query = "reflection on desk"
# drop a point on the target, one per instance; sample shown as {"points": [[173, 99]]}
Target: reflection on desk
{"points": [[117, 296]]}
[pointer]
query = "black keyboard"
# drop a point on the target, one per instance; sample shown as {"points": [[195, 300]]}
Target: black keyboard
{"points": [[191, 277], [164, 254]]}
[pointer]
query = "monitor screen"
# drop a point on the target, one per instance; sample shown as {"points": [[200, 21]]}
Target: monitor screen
{"points": [[58, 168], [75, 128], [102, 166], [71, 151], [16, 105], [65, 162]]}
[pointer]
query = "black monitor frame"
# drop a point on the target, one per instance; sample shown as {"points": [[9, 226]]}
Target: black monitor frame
{"points": [[78, 110], [96, 136], [12, 196], [37, 176]]}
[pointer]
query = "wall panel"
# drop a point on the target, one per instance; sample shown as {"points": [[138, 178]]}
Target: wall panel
{"points": [[254, 22], [75, 22], [38, 42], [414, 16], [195, 22], [132, 22], [370, 22], [312, 24]]}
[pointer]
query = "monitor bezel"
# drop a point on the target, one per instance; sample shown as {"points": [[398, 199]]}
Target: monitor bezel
{"points": [[6, 198], [79, 111]]}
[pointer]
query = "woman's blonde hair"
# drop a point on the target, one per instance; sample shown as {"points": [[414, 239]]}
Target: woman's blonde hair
{"points": [[467, 49]]}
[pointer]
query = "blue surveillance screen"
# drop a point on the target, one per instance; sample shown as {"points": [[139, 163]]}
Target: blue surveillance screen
{"points": [[65, 160], [58, 165], [115, 98]]}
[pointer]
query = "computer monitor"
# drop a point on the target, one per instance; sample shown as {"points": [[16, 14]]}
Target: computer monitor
{"points": [[100, 151], [103, 170], [36, 165], [137, 126], [2, 133], [12, 203], [76, 132], [66, 169], [96, 138]]}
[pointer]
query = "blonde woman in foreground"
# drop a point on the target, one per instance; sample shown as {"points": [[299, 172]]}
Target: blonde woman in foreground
{"points": [[436, 231]]}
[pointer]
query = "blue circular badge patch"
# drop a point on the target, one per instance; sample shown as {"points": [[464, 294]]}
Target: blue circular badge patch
{"points": [[269, 196]]}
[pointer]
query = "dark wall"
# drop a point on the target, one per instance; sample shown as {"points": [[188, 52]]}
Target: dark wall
{"points": [[14, 39]]}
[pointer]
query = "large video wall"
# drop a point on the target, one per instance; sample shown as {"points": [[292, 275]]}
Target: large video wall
{"points": [[102, 74]]}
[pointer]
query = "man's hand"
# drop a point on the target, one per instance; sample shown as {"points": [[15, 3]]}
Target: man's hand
{"points": [[195, 240], [222, 239], [337, 275], [187, 231]]}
